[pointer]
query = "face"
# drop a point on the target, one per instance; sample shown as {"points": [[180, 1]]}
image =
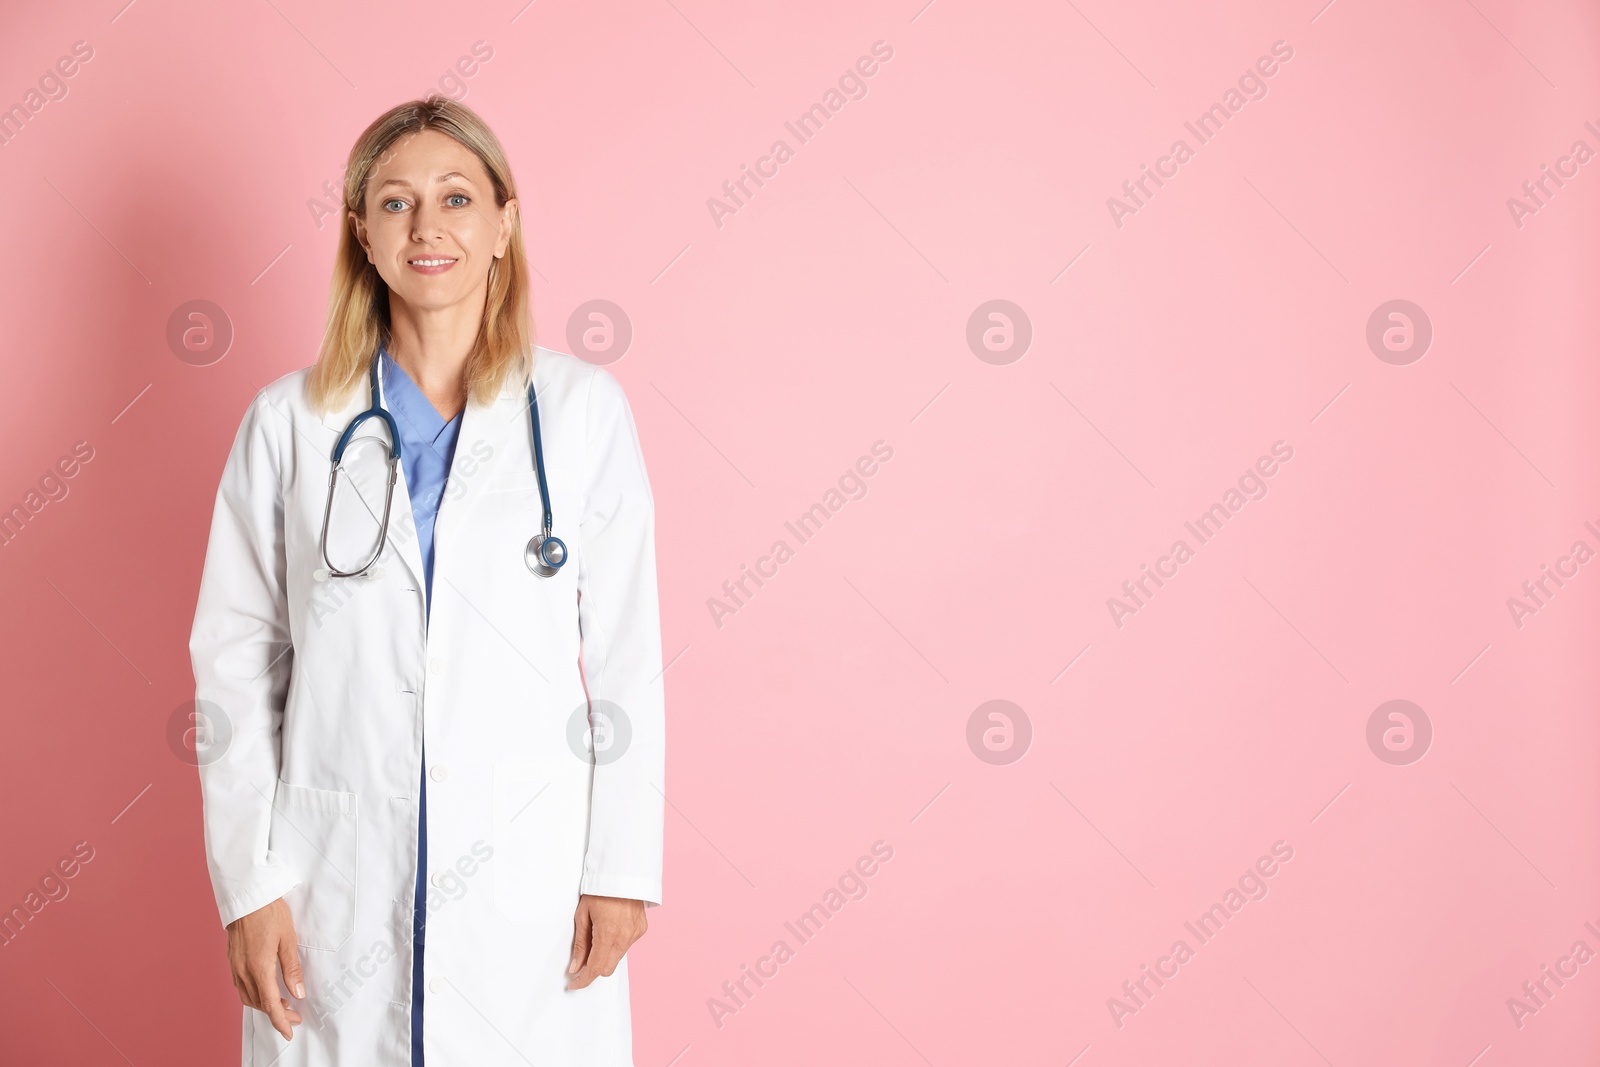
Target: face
{"points": [[431, 227]]}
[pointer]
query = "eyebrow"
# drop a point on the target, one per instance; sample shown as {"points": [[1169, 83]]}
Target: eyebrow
{"points": [[440, 178]]}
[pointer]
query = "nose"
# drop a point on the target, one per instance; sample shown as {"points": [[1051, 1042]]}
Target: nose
{"points": [[425, 220]]}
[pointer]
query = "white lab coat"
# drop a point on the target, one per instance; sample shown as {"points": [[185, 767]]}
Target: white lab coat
{"points": [[320, 691]]}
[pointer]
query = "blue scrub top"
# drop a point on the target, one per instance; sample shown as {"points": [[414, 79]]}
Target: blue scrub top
{"points": [[428, 444]]}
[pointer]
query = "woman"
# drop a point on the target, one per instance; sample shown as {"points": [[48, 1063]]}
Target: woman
{"points": [[497, 779]]}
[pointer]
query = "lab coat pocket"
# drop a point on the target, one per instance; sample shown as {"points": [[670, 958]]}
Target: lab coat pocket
{"points": [[523, 486], [538, 844], [314, 831], [527, 481]]}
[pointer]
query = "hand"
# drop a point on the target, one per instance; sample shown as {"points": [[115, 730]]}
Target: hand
{"points": [[258, 945], [602, 930]]}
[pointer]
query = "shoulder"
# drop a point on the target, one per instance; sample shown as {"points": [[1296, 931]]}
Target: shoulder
{"points": [[598, 406], [286, 394], [276, 409], [565, 378]]}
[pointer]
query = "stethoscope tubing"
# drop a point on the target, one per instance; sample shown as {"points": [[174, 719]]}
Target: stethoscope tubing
{"points": [[538, 459], [545, 553]]}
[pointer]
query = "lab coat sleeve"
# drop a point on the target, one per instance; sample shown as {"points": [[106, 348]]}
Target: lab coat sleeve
{"points": [[619, 618], [241, 653]]}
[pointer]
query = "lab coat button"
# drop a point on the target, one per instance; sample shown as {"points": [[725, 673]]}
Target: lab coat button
{"points": [[436, 666], [439, 773], [436, 986], [438, 881]]}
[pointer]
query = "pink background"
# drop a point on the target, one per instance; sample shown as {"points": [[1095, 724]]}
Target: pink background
{"points": [[831, 711]]}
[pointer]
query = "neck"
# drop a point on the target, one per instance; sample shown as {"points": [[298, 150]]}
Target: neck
{"points": [[432, 346]]}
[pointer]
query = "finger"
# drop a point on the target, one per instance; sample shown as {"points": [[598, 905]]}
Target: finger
{"points": [[606, 955], [585, 972], [260, 983], [267, 979], [247, 990], [580, 938], [288, 1009], [601, 963], [239, 968], [289, 960], [595, 968]]}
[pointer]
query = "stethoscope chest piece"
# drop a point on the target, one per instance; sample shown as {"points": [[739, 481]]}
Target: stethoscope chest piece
{"points": [[545, 554]]}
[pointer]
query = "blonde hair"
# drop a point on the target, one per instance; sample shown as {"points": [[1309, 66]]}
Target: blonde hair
{"points": [[358, 299]]}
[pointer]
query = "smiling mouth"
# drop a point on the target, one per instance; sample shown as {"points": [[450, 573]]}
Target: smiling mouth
{"points": [[436, 261]]}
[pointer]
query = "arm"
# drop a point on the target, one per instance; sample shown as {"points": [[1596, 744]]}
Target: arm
{"points": [[241, 654], [619, 618], [239, 648]]}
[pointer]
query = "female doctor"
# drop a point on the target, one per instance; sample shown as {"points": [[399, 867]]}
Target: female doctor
{"points": [[428, 645]]}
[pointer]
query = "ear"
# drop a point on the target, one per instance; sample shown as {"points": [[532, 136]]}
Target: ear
{"points": [[360, 226], [508, 218]]}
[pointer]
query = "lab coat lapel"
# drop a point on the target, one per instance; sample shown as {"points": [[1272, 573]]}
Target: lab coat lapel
{"points": [[484, 427], [402, 541]]}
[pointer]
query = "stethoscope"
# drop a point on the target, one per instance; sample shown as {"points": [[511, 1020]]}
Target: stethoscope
{"points": [[545, 552]]}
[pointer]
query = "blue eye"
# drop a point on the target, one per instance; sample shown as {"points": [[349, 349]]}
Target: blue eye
{"points": [[386, 203], [458, 196]]}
